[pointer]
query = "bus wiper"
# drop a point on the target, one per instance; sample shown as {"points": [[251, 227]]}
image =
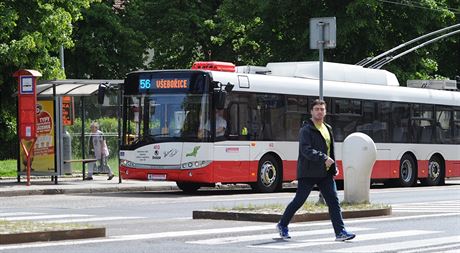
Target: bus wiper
{"points": [[156, 135], [142, 138]]}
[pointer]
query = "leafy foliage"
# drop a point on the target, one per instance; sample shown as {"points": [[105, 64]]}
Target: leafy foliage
{"points": [[107, 39], [109, 126], [106, 46], [31, 33]]}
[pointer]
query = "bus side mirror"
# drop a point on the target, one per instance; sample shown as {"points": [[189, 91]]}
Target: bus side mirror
{"points": [[220, 95], [219, 99], [101, 93]]}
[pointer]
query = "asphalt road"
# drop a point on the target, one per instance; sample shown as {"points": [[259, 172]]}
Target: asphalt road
{"points": [[425, 219]]}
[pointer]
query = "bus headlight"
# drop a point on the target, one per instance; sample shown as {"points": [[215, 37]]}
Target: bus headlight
{"points": [[195, 164]]}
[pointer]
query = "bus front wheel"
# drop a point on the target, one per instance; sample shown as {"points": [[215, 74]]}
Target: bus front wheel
{"points": [[407, 171], [188, 187], [269, 175], [435, 172]]}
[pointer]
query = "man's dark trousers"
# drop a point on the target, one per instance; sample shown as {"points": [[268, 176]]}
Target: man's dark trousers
{"points": [[329, 190]]}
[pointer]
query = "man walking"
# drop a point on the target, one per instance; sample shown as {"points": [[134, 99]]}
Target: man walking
{"points": [[316, 165]]}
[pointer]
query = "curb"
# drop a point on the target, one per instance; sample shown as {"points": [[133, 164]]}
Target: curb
{"points": [[275, 217], [51, 191], [52, 235]]}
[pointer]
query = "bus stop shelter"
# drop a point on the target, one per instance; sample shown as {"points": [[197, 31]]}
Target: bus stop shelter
{"points": [[55, 108]]}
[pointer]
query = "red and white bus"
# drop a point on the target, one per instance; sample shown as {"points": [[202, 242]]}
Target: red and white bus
{"points": [[169, 122]]}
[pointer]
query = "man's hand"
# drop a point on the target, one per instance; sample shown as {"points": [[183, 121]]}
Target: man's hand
{"points": [[329, 162]]}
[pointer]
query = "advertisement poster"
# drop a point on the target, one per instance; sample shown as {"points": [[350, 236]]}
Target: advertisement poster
{"points": [[43, 158], [67, 111]]}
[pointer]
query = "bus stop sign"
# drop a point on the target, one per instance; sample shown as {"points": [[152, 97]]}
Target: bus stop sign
{"points": [[27, 102]]}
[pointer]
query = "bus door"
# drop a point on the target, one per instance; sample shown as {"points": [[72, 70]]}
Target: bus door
{"points": [[232, 153]]}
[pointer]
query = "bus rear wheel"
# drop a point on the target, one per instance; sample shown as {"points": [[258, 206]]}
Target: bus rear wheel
{"points": [[407, 171], [435, 172], [269, 175], [188, 187]]}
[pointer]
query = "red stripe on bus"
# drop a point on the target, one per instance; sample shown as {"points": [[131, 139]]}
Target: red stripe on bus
{"points": [[246, 171]]}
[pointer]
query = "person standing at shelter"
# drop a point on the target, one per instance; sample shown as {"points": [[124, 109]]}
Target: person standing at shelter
{"points": [[98, 148], [316, 165]]}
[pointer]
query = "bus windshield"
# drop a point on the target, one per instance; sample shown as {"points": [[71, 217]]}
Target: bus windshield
{"points": [[166, 117]]}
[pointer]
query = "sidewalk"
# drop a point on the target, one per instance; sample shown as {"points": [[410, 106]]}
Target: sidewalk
{"points": [[70, 185]]}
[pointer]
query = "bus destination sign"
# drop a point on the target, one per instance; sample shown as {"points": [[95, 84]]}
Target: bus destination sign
{"points": [[150, 84]]}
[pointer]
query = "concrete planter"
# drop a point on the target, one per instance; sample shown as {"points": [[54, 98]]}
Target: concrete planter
{"points": [[275, 217], [52, 235]]}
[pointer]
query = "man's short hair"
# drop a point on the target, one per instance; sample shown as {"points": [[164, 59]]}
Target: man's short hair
{"points": [[317, 102]]}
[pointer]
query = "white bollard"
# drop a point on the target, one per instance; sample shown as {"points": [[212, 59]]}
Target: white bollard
{"points": [[358, 158]]}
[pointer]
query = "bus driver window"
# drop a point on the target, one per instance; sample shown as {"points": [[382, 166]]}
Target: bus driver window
{"points": [[221, 126]]}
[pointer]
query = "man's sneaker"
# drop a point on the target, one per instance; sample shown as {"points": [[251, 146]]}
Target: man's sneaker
{"points": [[110, 177], [283, 231], [344, 236]]}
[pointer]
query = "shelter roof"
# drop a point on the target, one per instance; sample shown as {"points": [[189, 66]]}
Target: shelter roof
{"points": [[74, 87]]}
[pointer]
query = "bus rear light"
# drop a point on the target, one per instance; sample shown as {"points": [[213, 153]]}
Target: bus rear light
{"points": [[214, 65]]}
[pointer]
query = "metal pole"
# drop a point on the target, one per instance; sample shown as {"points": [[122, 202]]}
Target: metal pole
{"points": [[119, 113], [19, 160], [55, 108], [82, 108], [321, 58], [61, 56]]}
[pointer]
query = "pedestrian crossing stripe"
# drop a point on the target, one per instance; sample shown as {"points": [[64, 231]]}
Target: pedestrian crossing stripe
{"points": [[396, 246], [427, 207], [434, 249], [247, 238], [359, 238]]}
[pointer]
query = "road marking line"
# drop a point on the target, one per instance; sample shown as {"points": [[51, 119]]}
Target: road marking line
{"points": [[385, 247], [43, 217], [173, 234], [236, 239], [409, 210], [17, 214], [359, 238], [82, 220]]}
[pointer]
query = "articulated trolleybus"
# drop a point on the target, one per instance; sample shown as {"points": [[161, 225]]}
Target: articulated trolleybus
{"points": [[217, 123]]}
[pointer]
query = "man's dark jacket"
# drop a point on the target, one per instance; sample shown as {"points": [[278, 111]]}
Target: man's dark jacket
{"points": [[313, 152]]}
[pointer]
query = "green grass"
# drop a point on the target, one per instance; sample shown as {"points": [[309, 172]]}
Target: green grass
{"points": [[14, 227], [8, 168], [308, 207]]}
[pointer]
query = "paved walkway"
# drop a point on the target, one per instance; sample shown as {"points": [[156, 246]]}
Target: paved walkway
{"points": [[68, 185]]}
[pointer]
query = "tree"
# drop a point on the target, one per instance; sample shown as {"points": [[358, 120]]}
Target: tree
{"points": [[106, 44], [372, 27], [178, 31], [31, 33], [260, 32]]}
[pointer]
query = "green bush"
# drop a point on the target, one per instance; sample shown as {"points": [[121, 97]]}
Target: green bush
{"points": [[109, 126], [8, 136]]}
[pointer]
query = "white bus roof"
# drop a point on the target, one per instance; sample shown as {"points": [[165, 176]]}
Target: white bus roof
{"points": [[300, 86], [331, 71]]}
